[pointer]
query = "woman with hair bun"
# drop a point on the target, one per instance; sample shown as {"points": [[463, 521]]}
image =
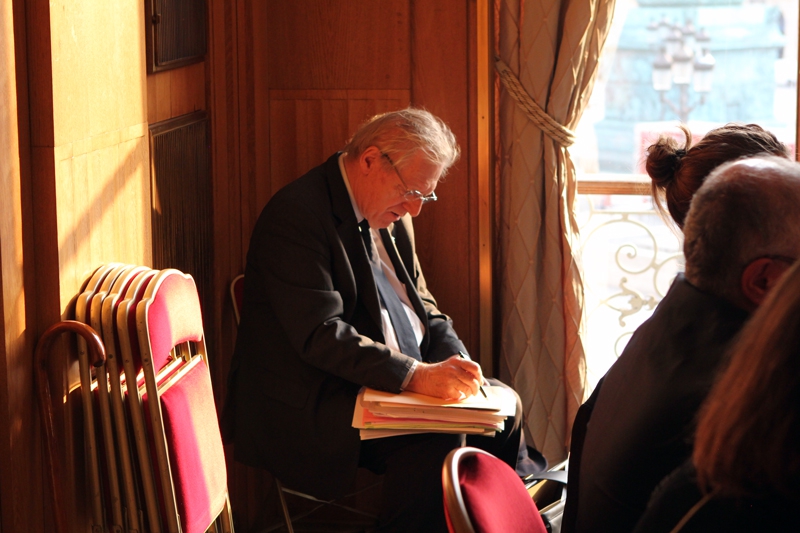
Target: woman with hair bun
{"points": [[677, 172]]}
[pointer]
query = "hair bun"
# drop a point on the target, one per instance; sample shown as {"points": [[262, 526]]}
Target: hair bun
{"points": [[663, 160]]}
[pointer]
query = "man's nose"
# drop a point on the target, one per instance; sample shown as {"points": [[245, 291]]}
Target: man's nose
{"points": [[413, 206]]}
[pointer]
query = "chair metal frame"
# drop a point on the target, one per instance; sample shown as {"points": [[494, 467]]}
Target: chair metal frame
{"points": [[455, 507]]}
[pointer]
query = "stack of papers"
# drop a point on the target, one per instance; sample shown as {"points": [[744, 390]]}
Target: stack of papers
{"points": [[383, 414]]}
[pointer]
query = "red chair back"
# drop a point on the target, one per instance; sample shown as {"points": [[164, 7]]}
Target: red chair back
{"points": [[482, 494], [188, 446], [172, 315]]}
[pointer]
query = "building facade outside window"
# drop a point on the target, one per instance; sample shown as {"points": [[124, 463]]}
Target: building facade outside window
{"points": [[703, 63]]}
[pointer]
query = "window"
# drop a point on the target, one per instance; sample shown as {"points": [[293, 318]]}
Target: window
{"points": [[703, 63]]}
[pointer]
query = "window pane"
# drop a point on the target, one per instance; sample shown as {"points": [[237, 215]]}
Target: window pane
{"points": [[630, 258], [704, 63]]}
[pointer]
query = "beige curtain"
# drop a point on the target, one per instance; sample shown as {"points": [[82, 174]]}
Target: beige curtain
{"points": [[548, 54]]}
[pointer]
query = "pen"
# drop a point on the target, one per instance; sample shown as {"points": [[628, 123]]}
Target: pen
{"points": [[465, 356]]}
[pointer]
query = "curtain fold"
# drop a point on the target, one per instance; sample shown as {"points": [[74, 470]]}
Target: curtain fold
{"points": [[552, 47]]}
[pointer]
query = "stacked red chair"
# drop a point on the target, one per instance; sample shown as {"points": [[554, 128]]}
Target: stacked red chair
{"points": [[155, 460]]}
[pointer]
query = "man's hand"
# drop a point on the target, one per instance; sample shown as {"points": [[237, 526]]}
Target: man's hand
{"points": [[449, 379]]}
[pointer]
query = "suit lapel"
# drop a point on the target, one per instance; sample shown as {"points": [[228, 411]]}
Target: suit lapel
{"points": [[351, 241]]}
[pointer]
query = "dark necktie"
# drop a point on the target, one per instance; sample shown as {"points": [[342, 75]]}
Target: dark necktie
{"points": [[389, 298]]}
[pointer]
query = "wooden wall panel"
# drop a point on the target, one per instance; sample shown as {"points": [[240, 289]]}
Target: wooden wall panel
{"points": [[308, 126], [440, 82], [103, 206], [20, 467], [238, 106], [338, 44], [89, 98], [258, 189], [176, 92]]}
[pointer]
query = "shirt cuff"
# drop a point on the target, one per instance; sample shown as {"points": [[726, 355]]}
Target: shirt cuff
{"points": [[409, 375]]}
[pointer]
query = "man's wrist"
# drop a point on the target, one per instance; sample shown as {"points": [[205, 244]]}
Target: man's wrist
{"points": [[408, 377]]}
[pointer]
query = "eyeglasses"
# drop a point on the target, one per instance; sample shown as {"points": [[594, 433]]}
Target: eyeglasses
{"points": [[411, 195]]}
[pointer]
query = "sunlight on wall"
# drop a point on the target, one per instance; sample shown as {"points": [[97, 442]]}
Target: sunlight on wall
{"points": [[11, 220], [101, 152]]}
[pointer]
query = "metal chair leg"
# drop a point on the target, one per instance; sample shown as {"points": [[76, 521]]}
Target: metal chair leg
{"points": [[286, 516]]}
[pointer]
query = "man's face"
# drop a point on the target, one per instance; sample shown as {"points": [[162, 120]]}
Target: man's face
{"points": [[381, 195]]}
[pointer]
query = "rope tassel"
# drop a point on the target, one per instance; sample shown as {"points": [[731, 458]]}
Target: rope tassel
{"points": [[550, 127]]}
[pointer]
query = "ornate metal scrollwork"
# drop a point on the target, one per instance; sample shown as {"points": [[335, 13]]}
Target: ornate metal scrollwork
{"points": [[630, 258]]}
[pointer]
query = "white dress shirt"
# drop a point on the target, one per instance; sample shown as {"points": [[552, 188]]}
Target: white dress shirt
{"points": [[399, 287]]}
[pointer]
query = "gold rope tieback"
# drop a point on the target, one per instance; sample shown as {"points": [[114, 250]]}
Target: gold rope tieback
{"points": [[550, 127]]}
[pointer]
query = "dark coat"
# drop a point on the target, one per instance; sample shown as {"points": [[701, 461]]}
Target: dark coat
{"points": [[678, 493], [642, 424]]}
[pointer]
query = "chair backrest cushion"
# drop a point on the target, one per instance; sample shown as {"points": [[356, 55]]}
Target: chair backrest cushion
{"points": [[173, 316], [197, 459], [495, 497]]}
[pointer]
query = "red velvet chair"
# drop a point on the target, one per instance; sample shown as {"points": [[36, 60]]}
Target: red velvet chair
{"points": [[186, 440], [482, 494]]}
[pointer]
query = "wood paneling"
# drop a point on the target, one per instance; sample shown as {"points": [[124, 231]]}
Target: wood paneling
{"points": [[308, 126], [103, 205], [20, 468], [338, 44], [481, 152], [176, 92], [446, 232], [238, 106], [89, 98]]}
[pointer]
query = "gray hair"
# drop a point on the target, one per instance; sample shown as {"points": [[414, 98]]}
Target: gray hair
{"points": [[400, 134], [746, 209]]}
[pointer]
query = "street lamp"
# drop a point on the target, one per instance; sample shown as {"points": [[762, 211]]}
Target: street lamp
{"points": [[677, 62]]}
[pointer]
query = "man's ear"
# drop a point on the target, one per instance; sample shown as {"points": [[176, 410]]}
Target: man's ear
{"points": [[759, 277], [369, 158]]}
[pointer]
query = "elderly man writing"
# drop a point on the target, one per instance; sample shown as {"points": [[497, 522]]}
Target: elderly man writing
{"points": [[334, 299]]}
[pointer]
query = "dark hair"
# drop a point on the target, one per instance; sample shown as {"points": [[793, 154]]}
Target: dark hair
{"points": [[748, 435], [677, 172]]}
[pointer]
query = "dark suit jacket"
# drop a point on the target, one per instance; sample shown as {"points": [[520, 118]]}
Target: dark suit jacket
{"points": [[310, 334], [642, 423]]}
